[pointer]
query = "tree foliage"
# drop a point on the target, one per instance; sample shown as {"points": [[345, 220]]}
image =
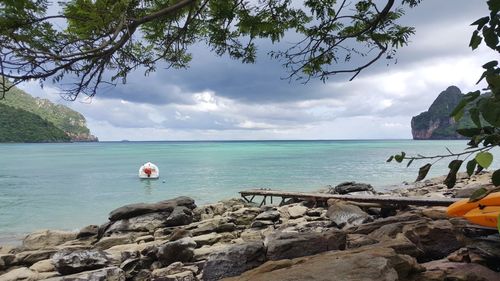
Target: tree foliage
{"points": [[91, 43], [484, 110]]}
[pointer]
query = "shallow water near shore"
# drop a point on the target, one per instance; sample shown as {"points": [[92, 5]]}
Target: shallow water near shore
{"points": [[68, 186]]}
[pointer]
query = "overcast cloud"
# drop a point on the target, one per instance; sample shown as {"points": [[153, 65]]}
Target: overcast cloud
{"points": [[217, 98]]}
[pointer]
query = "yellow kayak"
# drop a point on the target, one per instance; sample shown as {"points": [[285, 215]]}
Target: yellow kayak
{"points": [[460, 208], [487, 216]]}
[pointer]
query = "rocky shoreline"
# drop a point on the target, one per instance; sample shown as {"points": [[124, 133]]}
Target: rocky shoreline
{"points": [[234, 240]]}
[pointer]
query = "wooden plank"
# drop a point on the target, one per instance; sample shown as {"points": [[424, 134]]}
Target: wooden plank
{"points": [[383, 200]]}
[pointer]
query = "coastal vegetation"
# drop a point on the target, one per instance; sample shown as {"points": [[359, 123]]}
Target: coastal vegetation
{"points": [[22, 108], [18, 125]]}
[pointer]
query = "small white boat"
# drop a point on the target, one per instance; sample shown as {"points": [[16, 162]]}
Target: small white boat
{"points": [[149, 171]]}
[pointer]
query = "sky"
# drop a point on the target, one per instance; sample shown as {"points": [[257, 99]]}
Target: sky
{"points": [[217, 98]]}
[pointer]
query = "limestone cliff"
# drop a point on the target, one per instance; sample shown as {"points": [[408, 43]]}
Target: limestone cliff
{"points": [[436, 122]]}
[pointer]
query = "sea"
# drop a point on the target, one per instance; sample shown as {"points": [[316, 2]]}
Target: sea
{"points": [[70, 185]]}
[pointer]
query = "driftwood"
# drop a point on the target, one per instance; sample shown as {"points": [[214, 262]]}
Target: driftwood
{"points": [[323, 197]]}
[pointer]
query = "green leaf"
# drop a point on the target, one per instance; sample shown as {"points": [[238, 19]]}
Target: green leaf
{"points": [[409, 163], [490, 110], [481, 22], [490, 37], [458, 110], [475, 40], [423, 171], [390, 159], [495, 178], [490, 64], [400, 157], [478, 194], [471, 165], [474, 115], [469, 132], [484, 159], [451, 178]]}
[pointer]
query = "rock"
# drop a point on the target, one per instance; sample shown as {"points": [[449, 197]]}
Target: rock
{"points": [[358, 240], [145, 238], [271, 215], [344, 214], [22, 273], [159, 275], [261, 224], [205, 251], [180, 216], [251, 235], [289, 245], [233, 260], [134, 265], [142, 223], [435, 238], [349, 187], [457, 271], [435, 213], [69, 262], [215, 224], [367, 228], [143, 275], [387, 231], [212, 238], [88, 231], [317, 212], [133, 210], [31, 257], [43, 266], [108, 242], [243, 216], [381, 264], [6, 260], [209, 211], [295, 211], [103, 274], [47, 238], [181, 250]]}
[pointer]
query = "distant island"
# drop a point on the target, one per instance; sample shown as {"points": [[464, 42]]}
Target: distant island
{"points": [[24, 118], [436, 123]]}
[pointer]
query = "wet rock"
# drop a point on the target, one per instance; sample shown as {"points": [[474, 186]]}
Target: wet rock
{"points": [[349, 187], [47, 238], [69, 262], [88, 231], [346, 215], [233, 260], [103, 274], [181, 250], [133, 210], [381, 264], [289, 245]]}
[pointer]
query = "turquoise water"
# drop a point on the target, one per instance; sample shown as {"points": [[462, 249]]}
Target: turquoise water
{"points": [[68, 186]]}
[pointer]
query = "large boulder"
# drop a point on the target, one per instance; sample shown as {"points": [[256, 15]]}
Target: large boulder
{"points": [[289, 245], [133, 210], [445, 270], [367, 228], [6, 260], [47, 238], [346, 215], [381, 264], [31, 257], [181, 250], [103, 274], [69, 262], [180, 215], [233, 260]]}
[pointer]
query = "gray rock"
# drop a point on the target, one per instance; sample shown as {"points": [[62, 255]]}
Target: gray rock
{"points": [[21, 273], [233, 260], [289, 245], [367, 228], [103, 274], [271, 215], [346, 215], [180, 250], [132, 210], [143, 275], [6, 260], [69, 262], [349, 187], [180, 216], [445, 270], [359, 240], [108, 242], [31, 257], [261, 224], [243, 216], [296, 211], [143, 223], [88, 231]]}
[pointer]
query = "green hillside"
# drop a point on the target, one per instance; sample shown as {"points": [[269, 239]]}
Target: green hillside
{"points": [[17, 125], [62, 117]]}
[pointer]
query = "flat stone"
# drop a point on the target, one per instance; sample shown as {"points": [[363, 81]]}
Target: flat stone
{"points": [[460, 271], [103, 274], [22, 273], [296, 211], [271, 215], [6, 260], [359, 240], [346, 215], [261, 224], [141, 223], [88, 231], [31, 257], [350, 187], [69, 262], [43, 266], [180, 250]]}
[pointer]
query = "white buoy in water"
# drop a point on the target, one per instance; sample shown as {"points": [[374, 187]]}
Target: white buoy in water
{"points": [[149, 171]]}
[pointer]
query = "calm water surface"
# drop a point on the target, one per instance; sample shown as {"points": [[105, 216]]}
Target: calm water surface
{"points": [[68, 186]]}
